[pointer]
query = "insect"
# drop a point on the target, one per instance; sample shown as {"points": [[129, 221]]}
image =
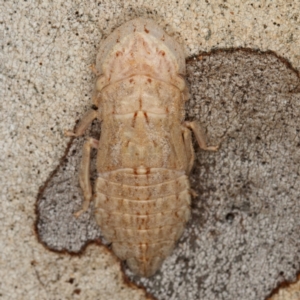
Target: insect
{"points": [[144, 156]]}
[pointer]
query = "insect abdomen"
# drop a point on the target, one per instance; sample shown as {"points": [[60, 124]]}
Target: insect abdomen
{"points": [[144, 221]]}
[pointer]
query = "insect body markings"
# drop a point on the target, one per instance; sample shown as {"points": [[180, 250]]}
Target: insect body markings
{"points": [[142, 193]]}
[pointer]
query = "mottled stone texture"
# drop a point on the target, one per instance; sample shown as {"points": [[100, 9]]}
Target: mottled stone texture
{"points": [[46, 84]]}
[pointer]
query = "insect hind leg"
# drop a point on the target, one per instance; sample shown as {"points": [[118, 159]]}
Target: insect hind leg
{"points": [[84, 174]]}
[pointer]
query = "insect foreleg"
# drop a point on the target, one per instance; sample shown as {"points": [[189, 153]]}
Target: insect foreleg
{"points": [[84, 174], [200, 136], [86, 120]]}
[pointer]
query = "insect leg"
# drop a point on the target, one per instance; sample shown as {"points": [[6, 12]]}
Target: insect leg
{"points": [[93, 69], [200, 136], [189, 149], [86, 120], [84, 174]]}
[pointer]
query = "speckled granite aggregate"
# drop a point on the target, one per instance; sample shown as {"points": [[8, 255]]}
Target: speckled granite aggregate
{"points": [[46, 84]]}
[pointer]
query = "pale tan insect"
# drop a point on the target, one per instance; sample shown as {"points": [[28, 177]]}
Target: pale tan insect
{"points": [[142, 192]]}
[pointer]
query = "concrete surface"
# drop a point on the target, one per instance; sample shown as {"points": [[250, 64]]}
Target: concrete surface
{"points": [[46, 49]]}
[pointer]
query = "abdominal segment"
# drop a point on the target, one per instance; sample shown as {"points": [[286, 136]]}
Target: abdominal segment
{"points": [[142, 221]]}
